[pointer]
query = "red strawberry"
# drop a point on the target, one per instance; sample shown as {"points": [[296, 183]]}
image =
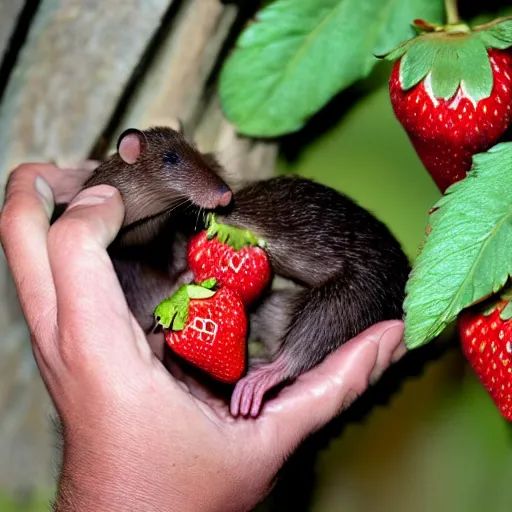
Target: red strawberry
{"points": [[230, 255], [451, 89], [207, 328], [486, 339]]}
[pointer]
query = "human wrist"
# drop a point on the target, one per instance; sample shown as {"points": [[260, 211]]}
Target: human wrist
{"points": [[106, 476], [90, 488], [90, 483], [75, 494]]}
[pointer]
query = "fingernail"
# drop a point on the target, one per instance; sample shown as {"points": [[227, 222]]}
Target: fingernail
{"points": [[46, 194], [92, 196]]}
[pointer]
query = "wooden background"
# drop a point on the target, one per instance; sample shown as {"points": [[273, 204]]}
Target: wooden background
{"points": [[74, 74]]}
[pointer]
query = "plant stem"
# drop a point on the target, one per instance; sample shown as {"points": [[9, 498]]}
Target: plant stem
{"points": [[452, 12]]}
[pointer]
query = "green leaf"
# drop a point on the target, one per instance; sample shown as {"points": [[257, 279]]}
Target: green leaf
{"points": [[497, 35], [506, 293], [446, 70], [209, 283], [231, 235], [300, 53], [397, 52], [476, 73], [172, 313], [488, 309], [506, 313], [452, 59], [467, 256], [196, 291], [417, 62], [461, 59]]}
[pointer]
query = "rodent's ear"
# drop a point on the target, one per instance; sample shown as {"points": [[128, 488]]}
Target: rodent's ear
{"points": [[130, 145]]}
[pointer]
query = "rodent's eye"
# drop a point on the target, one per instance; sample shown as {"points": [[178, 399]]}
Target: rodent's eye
{"points": [[171, 158]]}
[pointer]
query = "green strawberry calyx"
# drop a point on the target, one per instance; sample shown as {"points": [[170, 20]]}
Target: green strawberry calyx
{"points": [[505, 295], [172, 313], [451, 56], [231, 235]]}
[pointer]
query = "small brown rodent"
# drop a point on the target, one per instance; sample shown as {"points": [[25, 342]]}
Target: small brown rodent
{"points": [[164, 183], [345, 268]]}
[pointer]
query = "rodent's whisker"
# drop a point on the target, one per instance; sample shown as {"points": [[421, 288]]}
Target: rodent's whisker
{"points": [[199, 212], [179, 202]]}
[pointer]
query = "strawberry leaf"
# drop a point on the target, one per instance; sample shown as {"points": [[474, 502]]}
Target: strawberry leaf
{"points": [[497, 34], [446, 69], [506, 313], [172, 313], [209, 283], [299, 53], [231, 235], [417, 62], [466, 257], [454, 57], [195, 291], [451, 59], [506, 293], [489, 309], [475, 72]]}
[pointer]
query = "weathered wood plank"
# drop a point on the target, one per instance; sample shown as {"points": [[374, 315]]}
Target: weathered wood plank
{"points": [[173, 87], [9, 12], [76, 62], [244, 159]]}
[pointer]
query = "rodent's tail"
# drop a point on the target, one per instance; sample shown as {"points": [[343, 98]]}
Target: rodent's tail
{"points": [[327, 316]]}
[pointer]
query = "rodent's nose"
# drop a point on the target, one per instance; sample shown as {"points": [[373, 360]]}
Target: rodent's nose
{"points": [[226, 196]]}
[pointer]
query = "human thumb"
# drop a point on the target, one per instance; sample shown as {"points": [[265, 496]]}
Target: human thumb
{"points": [[321, 394]]}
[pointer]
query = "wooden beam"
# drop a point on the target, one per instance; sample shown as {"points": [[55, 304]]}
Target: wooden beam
{"points": [[73, 69], [173, 87]]}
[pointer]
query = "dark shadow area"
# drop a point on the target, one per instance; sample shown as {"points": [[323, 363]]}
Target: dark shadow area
{"points": [[469, 8]]}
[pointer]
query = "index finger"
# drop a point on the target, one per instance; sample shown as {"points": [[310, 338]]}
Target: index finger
{"points": [[65, 183], [24, 224]]}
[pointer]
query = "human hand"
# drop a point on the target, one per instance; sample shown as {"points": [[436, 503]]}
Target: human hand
{"points": [[135, 436]]}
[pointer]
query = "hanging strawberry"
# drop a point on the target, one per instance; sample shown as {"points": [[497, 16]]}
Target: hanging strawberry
{"points": [[233, 256], [451, 89], [466, 260], [207, 328], [486, 338]]}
